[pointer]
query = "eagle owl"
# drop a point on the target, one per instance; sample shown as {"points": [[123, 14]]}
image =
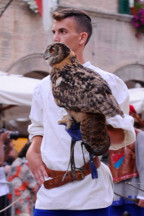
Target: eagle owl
{"points": [[84, 94]]}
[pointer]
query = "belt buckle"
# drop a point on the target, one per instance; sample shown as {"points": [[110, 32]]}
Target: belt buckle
{"points": [[81, 174]]}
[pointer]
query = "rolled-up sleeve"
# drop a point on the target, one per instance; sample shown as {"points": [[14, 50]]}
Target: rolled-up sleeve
{"points": [[126, 124], [120, 92], [36, 115]]}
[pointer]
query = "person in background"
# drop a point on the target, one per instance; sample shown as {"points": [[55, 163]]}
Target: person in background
{"points": [[4, 189], [24, 183], [10, 152], [50, 149], [136, 116], [3, 138], [127, 169]]}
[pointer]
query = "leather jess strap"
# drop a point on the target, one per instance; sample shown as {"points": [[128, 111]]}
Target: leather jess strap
{"points": [[58, 178]]}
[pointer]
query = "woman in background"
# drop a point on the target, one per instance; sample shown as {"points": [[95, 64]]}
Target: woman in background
{"points": [[23, 182]]}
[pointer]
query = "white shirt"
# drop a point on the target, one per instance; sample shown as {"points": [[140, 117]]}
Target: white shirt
{"points": [[55, 149], [4, 187]]}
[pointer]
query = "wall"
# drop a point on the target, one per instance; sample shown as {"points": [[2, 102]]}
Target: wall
{"points": [[103, 5], [21, 34], [113, 46]]}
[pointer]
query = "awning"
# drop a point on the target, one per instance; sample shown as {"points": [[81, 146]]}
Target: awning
{"points": [[16, 89], [137, 99]]}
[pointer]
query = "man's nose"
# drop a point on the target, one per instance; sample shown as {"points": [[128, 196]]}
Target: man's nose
{"points": [[56, 38]]}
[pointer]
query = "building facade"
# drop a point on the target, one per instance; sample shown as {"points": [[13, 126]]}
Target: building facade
{"points": [[113, 46]]}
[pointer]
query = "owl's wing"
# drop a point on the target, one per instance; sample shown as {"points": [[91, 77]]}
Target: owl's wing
{"points": [[84, 90]]}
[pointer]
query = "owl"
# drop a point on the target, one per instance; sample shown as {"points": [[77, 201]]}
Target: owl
{"points": [[84, 94]]}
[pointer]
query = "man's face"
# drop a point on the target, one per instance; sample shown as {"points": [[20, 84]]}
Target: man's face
{"points": [[64, 31]]}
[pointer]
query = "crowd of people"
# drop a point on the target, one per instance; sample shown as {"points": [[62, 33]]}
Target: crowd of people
{"points": [[18, 186], [126, 165]]}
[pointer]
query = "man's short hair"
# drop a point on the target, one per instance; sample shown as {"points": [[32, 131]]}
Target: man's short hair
{"points": [[81, 17]]}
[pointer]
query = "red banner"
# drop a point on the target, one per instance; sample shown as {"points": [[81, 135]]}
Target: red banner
{"points": [[39, 4]]}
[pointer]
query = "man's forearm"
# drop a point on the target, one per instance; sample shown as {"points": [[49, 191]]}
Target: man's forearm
{"points": [[35, 145], [35, 161], [116, 135]]}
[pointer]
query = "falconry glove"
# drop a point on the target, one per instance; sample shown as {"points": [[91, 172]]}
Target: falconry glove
{"points": [[75, 133]]}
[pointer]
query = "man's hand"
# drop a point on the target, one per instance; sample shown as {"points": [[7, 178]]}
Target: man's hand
{"points": [[35, 161], [3, 137], [141, 203]]}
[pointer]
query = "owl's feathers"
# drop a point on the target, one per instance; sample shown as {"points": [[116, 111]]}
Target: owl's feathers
{"points": [[84, 94]]}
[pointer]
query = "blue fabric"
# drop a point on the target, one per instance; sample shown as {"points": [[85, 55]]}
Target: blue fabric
{"points": [[95, 212], [131, 209], [93, 168], [74, 131], [123, 205]]}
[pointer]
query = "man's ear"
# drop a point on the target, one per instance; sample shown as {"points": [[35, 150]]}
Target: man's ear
{"points": [[83, 38]]}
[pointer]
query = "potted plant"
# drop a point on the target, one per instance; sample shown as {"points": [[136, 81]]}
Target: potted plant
{"points": [[136, 6], [138, 21], [139, 4]]}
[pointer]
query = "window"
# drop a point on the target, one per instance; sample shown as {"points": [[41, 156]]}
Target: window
{"points": [[124, 7]]}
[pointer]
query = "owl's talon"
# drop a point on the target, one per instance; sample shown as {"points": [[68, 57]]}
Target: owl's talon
{"points": [[66, 120]]}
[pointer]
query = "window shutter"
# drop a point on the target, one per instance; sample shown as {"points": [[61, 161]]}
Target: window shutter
{"points": [[124, 7]]}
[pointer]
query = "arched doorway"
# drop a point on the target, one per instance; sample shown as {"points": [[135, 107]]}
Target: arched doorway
{"points": [[33, 66], [131, 74]]}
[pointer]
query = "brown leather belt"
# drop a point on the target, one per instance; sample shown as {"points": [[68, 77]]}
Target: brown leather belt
{"points": [[58, 178]]}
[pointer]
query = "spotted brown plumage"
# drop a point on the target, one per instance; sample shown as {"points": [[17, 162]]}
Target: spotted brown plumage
{"points": [[84, 94]]}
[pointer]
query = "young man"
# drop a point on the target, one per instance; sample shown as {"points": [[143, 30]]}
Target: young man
{"points": [[50, 146]]}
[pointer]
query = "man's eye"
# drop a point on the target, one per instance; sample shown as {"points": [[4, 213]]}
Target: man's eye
{"points": [[62, 31]]}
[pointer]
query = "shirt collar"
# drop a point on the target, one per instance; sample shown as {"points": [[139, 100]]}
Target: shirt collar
{"points": [[87, 64]]}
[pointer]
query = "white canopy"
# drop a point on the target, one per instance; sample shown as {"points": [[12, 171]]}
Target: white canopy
{"points": [[137, 99], [16, 89]]}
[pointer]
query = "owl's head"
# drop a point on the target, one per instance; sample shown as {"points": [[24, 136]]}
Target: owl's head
{"points": [[55, 53]]}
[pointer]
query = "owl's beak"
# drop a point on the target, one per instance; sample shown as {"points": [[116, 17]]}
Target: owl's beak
{"points": [[45, 57]]}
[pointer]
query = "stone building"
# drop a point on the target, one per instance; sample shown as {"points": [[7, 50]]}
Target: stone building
{"points": [[113, 46], [22, 40]]}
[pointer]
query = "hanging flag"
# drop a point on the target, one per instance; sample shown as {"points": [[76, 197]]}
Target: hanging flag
{"points": [[45, 7], [117, 159], [40, 6]]}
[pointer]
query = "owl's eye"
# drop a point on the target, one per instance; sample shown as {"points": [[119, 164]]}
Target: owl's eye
{"points": [[52, 49]]}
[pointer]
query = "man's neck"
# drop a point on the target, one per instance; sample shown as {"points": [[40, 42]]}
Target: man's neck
{"points": [[80, 57], [81, 60]]}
